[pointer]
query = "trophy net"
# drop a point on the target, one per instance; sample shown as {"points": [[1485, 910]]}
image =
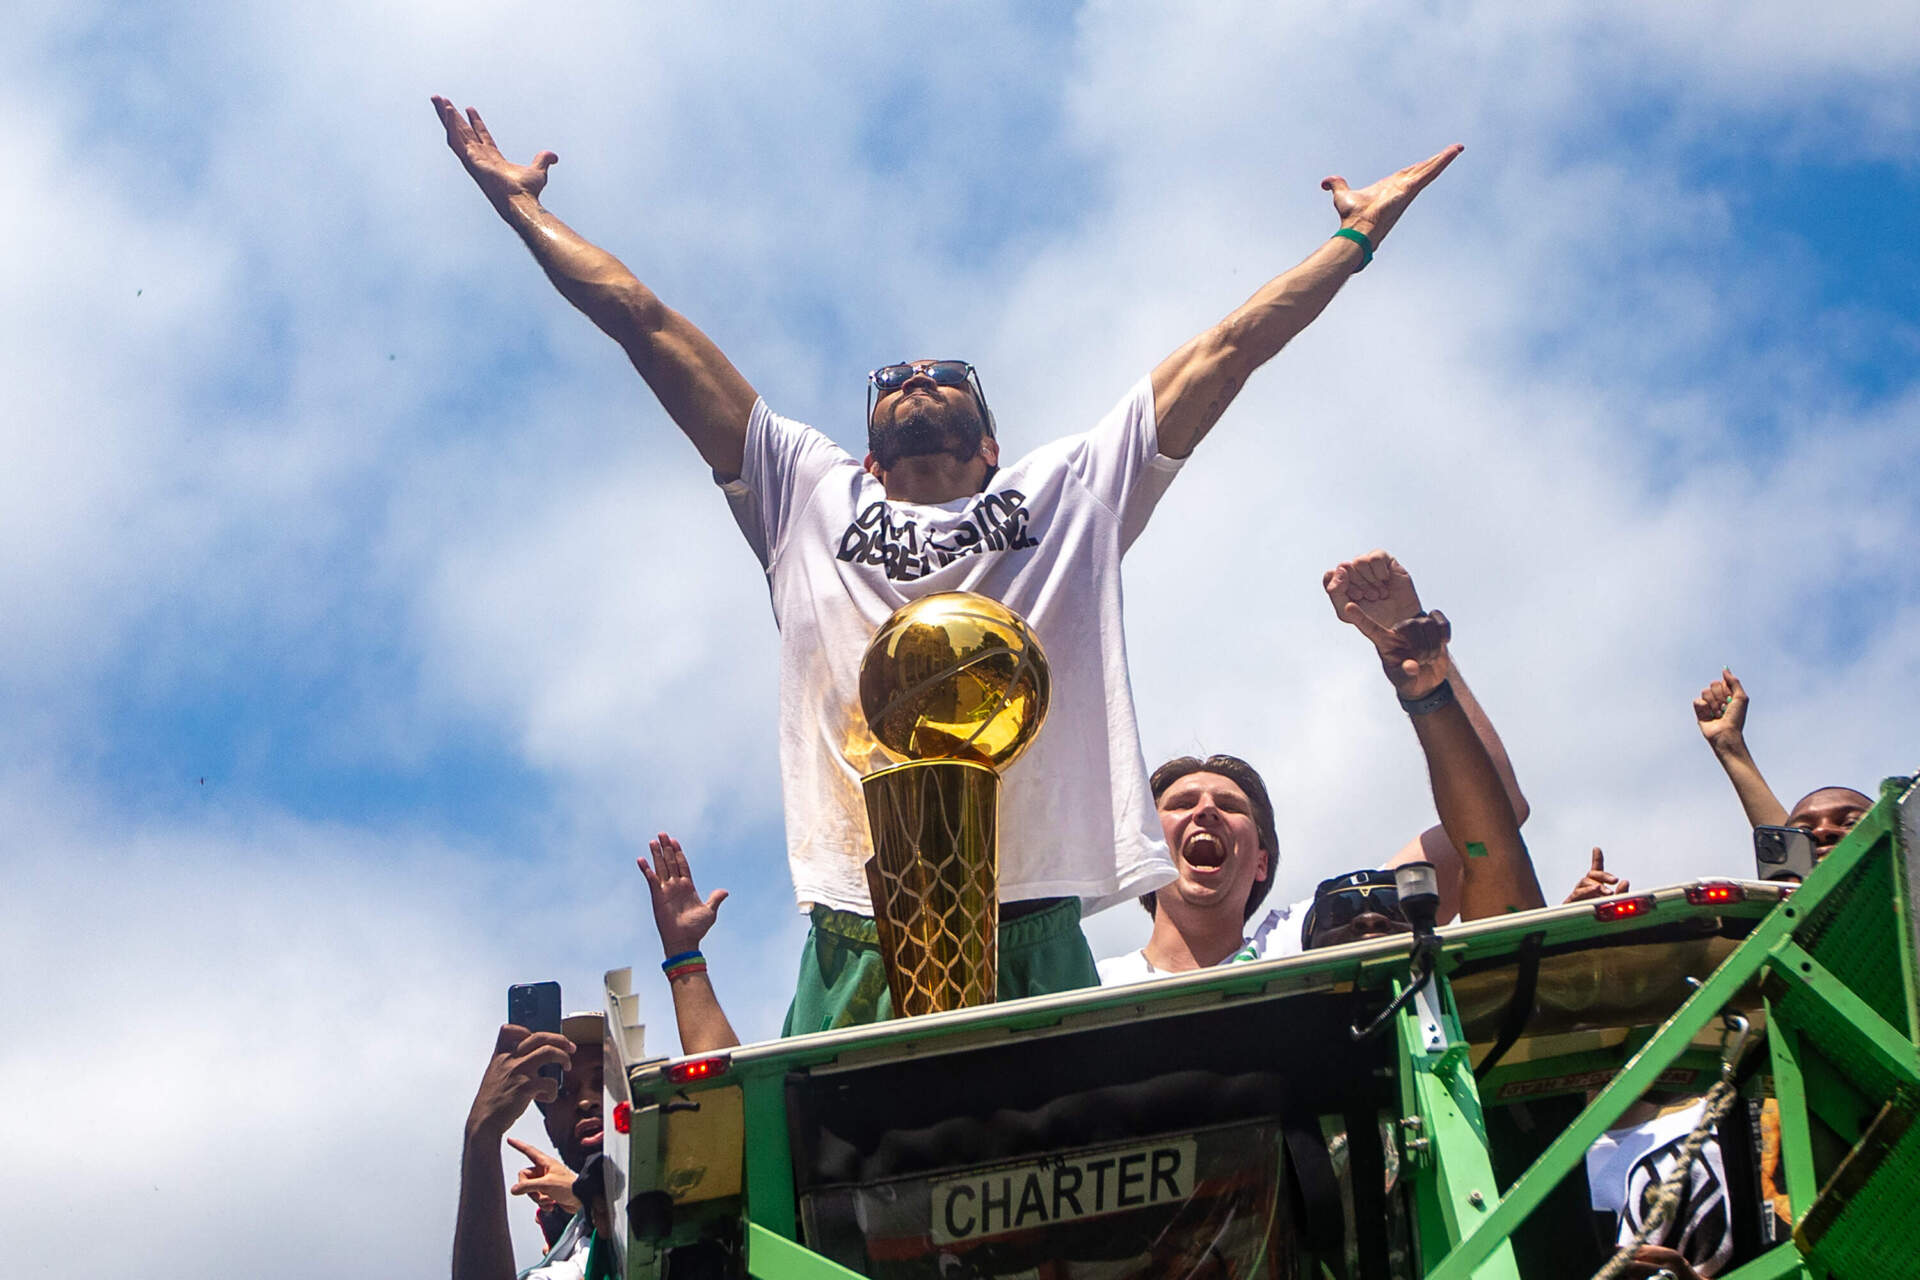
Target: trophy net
{"points": [[934, 882]]}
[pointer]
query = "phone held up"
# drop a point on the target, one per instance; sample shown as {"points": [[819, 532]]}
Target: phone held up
{"points": [[1783, 853], [536, 1006]]}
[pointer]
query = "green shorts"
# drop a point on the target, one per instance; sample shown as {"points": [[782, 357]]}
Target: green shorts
{"points": [[843, 983]]}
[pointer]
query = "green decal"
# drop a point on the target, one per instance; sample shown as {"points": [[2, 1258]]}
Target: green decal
{"points": [[1475, 849]]}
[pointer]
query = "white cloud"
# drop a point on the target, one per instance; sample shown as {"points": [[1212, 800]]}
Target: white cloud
{"points": [[292, 412]]}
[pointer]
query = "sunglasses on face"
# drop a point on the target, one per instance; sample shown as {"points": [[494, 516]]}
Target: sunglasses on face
{"points": [[944, 373], [889, 378], [1341, 907]]}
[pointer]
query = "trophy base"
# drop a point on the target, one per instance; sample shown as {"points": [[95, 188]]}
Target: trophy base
{"points": [[934, 879]]}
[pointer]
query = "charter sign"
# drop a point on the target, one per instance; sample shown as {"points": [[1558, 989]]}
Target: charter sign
{"points": [[1023, 1197]]}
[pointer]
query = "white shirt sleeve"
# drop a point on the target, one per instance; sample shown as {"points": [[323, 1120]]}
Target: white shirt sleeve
{"points": [[1120, 463], [783, 465]]}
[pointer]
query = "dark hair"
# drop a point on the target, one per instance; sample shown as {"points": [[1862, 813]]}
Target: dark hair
{"points": [[1866, 800], [1248, 779]]}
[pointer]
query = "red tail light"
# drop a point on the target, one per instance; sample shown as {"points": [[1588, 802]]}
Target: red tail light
{"points": [[1623, 908], [1707, 895], [699, 1068], [623, 1117]]}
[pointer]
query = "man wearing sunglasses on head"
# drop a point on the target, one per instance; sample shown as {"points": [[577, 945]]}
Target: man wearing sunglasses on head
{"points": [[930, 508]]}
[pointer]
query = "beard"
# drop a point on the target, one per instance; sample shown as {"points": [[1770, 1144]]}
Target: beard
{"points": [[921, 426]]}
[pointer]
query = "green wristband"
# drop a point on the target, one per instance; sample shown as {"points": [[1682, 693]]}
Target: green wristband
{"points": [[1359, 237]]}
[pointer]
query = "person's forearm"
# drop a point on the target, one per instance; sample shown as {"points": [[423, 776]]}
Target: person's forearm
{"points": [[589, 277], [696, 1009], [482, 1244], [1496, 873], [1193, 386], [694, 381], [1762, 807], [1491, 741]]}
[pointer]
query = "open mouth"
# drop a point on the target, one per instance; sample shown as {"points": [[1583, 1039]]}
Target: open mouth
{"points": [[1203, 852], [587, 1132]]}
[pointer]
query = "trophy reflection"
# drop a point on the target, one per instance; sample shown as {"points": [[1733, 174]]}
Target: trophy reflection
{"points": [[956, 685]]}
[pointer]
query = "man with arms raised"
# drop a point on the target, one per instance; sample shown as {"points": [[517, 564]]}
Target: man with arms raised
{"points": [[845, 542]]}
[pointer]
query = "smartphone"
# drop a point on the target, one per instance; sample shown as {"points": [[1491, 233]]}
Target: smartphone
{"points": [[536, 1006], [1783, 853]]}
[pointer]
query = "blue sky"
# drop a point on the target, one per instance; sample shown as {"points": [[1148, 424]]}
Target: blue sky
{"points": [[317, 492]]}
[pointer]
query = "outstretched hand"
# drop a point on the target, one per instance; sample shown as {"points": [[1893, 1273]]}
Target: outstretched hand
{"points": [[546, 1179], [1721, 710], [1376, 582], [498, 177], [1413, 653], [681, 914], [1374, 209], [1598, 882]]}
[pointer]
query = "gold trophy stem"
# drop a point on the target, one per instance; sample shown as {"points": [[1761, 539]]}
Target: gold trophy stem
{"points": [[934, 878]]}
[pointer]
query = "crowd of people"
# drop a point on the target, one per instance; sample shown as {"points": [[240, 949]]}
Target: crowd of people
{"points": [[1219, 823], [933, 506]]}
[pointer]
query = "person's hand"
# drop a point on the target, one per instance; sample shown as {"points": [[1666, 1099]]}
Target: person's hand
{"points": [[498, 177], [1373, 210], [1376, 582], [681, 914], [1413, 653], [512, 1078], [1598, 882], [1652, 1259], [547, 1179], [1721, 710]]}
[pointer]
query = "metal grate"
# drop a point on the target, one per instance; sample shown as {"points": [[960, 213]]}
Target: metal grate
{"points": [[1862, 1224]]}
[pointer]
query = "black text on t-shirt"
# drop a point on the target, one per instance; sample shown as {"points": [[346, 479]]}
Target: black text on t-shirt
{"points": [[995, 522]]}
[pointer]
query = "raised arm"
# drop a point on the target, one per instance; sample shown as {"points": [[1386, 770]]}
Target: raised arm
{"points": [[1193, 386], [1384, 591], [697, 385], [1497, 874], [482, 1247], [1721, 710], [683, 918]]}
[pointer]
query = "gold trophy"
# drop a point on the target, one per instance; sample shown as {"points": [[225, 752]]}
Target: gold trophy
{"points": [[955, 684]]}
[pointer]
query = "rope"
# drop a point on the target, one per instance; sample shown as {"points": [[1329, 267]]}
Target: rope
{"points": [[1673, 1189]]}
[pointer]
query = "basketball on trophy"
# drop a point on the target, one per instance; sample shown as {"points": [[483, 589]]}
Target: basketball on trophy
{"points": [[955, 676]]}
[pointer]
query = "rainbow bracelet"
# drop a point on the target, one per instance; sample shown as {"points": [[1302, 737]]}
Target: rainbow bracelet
{"points": [[685, 963]]}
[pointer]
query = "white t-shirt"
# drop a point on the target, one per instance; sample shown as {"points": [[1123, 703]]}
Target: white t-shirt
{"points": [[1625, 1168], [1277, 934], [567, 1259], [1116, 971], [1045, 538]]}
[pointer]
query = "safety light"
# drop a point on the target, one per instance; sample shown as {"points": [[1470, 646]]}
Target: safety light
{"points": [[699, 1068], [1418, 886], [1715, 895], [623, 1117], [1622, 908]]}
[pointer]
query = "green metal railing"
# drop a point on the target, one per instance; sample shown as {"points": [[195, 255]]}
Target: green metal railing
{"points": [[1836, 961], [1837, 1030]]}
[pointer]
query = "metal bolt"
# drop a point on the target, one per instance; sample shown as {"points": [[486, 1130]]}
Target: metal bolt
{"points": [[1410, 1123], [1417, 1145], [1477, 1200]]}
